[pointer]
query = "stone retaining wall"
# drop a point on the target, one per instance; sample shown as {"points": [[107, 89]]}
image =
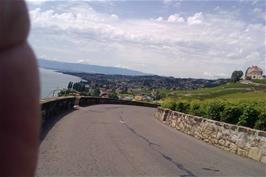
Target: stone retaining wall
{"points": [[240, 140]]}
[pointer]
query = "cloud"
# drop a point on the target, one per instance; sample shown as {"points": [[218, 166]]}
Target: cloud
{"points": [[215, 75], [199, 45], [197, 18], [175, 18], [171, 1], [159, 19], [168, 1], [36, 2], [115, 17]]}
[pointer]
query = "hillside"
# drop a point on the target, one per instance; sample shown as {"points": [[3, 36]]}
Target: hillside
{"points": [[235, 103], [77, 67], [228, 91]]}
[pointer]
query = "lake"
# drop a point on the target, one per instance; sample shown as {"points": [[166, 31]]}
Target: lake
{"points": [[52, 82]]}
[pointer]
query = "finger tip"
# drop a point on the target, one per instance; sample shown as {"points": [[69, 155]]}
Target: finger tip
{"points": [[15, 23]]}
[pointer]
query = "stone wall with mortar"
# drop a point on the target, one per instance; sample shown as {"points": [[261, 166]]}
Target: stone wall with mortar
{"points": [[240, 140]]}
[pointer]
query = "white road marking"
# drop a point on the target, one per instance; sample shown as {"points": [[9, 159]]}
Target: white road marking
{"points": [[122, 122]]}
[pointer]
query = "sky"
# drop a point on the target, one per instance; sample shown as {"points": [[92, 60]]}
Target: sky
{"points": [[182, 38]]}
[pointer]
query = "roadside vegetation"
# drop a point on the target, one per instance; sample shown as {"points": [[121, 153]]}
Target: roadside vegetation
{"points": [[234, 103]]}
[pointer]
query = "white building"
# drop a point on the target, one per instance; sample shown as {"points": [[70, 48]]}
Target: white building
{"points": [[254, 72]]}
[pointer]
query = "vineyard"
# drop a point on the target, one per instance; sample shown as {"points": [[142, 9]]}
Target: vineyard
{"points": [[233, 103]]}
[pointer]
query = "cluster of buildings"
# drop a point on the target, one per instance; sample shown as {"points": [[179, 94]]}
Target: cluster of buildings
{"points": [[124, 93]]}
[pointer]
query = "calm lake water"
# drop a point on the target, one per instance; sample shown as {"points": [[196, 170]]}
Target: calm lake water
{"points": [[52, 81]]}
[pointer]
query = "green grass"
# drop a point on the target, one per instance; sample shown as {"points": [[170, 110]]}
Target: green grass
{"points": [[260, 81], [229, 91]]}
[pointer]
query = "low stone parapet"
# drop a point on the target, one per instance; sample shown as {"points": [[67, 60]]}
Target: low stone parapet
{"points": [[87, 101], [239, 140], [55, 107]]}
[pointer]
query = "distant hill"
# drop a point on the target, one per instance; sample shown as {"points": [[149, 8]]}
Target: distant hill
{"points": [[77, 67]]}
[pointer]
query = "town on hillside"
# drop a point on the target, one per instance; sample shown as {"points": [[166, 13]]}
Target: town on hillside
{"points": [[149, 88], [134, 88]]}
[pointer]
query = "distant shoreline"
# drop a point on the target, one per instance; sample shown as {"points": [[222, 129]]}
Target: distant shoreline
{"points": [[148, 81], [53, 80]]}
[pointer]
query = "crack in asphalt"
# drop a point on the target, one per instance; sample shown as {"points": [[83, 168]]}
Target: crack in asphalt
{"points": [[210, 169], [103, 111], [140, 136], [95, 111], [178, 165]]}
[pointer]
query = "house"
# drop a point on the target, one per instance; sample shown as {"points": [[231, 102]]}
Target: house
{"points": [[104, 95], [138, 98], [254, 72]]}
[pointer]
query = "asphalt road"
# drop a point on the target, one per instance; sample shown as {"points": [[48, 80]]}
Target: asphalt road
{"points": [[119, 140]]}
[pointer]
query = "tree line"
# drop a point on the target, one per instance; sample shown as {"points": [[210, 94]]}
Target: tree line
{"points": [[82, 89]]}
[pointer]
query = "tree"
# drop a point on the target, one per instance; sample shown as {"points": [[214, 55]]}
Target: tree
{"points": [[70, 85], [82, 87], [113, 95], [236, 76], [76, 86], [96, 92], [156, 94]]}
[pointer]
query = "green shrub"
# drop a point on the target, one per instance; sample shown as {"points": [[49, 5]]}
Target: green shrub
{"points": [[182, 107], [197, 109], [249, 116], [261, 122], [214, 110], [231, 114], [66, 93], [249, 113], [168, 103]]}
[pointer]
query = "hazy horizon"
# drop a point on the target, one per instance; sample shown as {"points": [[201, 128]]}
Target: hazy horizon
{"points": [[188, 39], [143, 74]]}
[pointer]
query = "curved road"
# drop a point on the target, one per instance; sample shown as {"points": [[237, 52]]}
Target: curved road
{"points": [[119, 140]]}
